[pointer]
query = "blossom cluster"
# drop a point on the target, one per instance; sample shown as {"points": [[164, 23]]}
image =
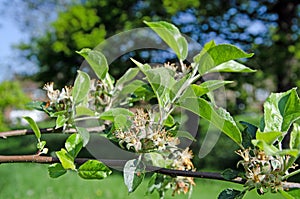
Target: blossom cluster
{"points": [[145, 136], [263, 172], [56, 96]]}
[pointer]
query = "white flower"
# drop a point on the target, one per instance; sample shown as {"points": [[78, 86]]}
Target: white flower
{"points": [[66, 93], [52, 94]]}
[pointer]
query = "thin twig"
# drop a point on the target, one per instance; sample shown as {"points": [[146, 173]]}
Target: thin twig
{"points": [[121, 163], [13, 133]]}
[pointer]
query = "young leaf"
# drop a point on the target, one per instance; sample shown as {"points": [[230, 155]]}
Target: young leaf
{"points": [[55, 170], [231, 194], [128, 76], [114, 112], [295, 193], [248, 134], [81, 87], [93, 169], [133, 174], [219, 117], [156, 159], [231, 67], [268, 137], [36, 105], [138, 89], [60, 121], [295, 137], [217, 55], [96, 60], [162, 82], [269, 149], [172, 36], [288, 195], [142, 67], [34, 127], [66, 160], [74, 144], [83, 110], [208, 86], [204, 50], [41, 145], [230, 174], [185, 134], [281, 110], [85, 135]]}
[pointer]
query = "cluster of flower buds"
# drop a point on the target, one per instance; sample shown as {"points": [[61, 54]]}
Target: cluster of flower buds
{"points": [[182, 161], [145, 136], [58, 99], [263, 172], [99, 96]]}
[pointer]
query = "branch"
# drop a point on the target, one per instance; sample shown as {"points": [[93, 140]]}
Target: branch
{"points": [[46, 130], [121, 163]]}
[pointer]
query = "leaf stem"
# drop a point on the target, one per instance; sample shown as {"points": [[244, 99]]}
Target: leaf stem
{"points": [[291, 174]]}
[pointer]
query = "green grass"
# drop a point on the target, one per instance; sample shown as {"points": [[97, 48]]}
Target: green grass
{"points": [[31, 181]]}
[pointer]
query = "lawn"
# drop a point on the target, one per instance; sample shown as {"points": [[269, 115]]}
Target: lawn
{"points": [[31, 181]]}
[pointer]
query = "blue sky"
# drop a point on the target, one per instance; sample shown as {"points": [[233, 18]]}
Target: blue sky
{"points": [[9, 34]]}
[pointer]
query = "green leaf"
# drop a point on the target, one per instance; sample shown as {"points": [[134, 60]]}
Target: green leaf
{"points": [[142, 67], [128, 76], [172, 36], [134, 173], [290, 152], [66, 159], [138, 89], [114, 112], [231, 67], [34, 126], [269, 149], [122, 122], [162, 82], [208, 86], [287, 195], [41, 145], [74, 144], [96, 60], [230, 174], [81, 87], [82, 110], [185, 134], [220, 54], [268, 137], [37, 105], [156, 159], [219, 117], [248, 134], [60, 121], [231, 194], [295, 137], [94, 169], [294, 193], [85, 135], [169, 122], [281, 110], [55, 170]]}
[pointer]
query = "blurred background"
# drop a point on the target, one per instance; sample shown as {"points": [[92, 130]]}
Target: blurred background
{"points": [[39, 39]]}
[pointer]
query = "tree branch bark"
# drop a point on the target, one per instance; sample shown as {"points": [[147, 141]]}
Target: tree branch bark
{"points": [[13, 133], [120, 163]]}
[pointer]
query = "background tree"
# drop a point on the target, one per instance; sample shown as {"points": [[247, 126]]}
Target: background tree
{"points": [[12, 96]]}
